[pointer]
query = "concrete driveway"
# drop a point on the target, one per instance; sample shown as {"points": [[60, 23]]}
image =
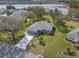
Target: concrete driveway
{"points": [[18, 50], [24, 42]]}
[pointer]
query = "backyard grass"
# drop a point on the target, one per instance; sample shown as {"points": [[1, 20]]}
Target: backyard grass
{"points": [[55, 44]]}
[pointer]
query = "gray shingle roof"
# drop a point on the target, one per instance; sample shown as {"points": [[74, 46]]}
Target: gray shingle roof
{"points": [[43, 25]]}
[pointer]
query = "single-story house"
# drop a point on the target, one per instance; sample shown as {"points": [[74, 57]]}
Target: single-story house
{"points": [[40, 26], [73, 36], [2, 11], [19, 12]]}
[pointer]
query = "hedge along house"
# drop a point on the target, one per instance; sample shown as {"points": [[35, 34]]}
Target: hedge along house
{"points": [[40, 26], [73, 36]]}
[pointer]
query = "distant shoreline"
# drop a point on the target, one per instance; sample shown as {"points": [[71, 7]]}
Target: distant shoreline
{"points": [[20, 6], [30, 3]]}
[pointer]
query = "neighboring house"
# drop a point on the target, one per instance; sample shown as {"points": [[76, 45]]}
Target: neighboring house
{"points": [[12, 10], [2, 11], [19, 13], [62, 9], [73, 36], [9, 12], [40, 26]]}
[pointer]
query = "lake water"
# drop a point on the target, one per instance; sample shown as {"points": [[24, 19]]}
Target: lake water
{"points": [[32, 5], [46, 6]]}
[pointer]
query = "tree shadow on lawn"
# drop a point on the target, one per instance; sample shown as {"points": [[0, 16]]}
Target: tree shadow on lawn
{"points": [[63, 29]]}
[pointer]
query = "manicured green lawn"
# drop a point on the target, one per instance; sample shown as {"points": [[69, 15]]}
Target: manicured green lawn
{"points": [[55, 44]]}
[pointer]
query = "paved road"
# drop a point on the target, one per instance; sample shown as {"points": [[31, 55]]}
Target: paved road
{"points": [[18, 50], [9, 51]]}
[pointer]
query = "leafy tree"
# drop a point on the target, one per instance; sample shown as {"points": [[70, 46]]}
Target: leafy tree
{"points": [[73, 14], [60, 25], [32, 16], [39, 11], [58, 20], [8, 7], [72, 3], [8, 13], [10, 24]]}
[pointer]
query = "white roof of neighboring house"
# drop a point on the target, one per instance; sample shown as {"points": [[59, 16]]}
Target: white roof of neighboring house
{"points": [[12, 10], [19, 12], [74, 36], [43, 25], [2, 11]]}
